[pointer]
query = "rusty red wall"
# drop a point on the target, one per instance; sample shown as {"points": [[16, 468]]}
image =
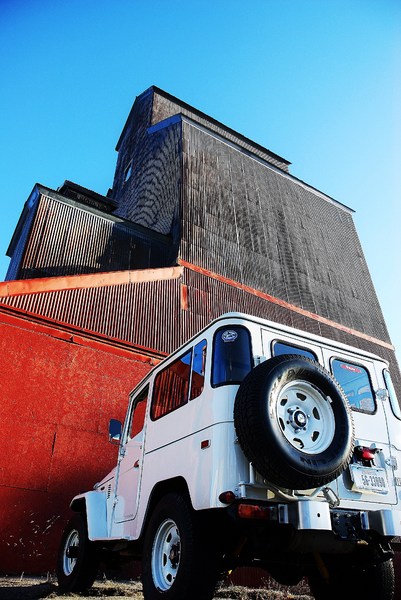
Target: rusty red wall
{"points": [[58, 392], [59, 388]]}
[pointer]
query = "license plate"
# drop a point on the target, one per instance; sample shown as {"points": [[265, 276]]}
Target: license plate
{"points": [[369, 479]]}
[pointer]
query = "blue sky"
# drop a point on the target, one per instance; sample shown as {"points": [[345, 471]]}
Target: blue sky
{"points": [[316, 81]]}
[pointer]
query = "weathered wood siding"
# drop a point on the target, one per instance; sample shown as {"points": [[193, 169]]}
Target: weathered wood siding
{"points": [[265, 229]]}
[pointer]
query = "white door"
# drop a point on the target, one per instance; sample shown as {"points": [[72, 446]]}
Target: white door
{"points": [[130, 465]]}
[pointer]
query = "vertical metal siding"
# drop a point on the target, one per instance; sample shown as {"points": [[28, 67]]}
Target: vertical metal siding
{"points": [[68, 240], [140, 313], [150, 313]]}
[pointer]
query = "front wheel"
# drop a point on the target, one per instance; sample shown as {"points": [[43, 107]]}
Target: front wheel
{"points": [[178, 560], [77, 562]]}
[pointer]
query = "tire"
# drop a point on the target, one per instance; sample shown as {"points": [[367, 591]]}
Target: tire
{"points": [[177, 562], [294, 423], [370, 582], [288, 575], [78, 572]]}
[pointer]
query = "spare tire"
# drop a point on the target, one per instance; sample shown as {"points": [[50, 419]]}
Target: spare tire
{"points": [[294, 422]]}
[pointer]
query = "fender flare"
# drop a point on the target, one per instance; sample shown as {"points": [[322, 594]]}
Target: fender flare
{"points": [[95, 507]]}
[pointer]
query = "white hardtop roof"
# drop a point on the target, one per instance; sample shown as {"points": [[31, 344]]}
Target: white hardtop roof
{"points": [[298, 332]]}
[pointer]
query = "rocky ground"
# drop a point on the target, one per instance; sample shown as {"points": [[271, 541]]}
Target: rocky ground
{"points": [[25, 588]]}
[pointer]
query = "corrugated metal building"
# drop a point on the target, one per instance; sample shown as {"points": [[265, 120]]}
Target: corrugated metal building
{"points": [[200, 220], [188, 190]]}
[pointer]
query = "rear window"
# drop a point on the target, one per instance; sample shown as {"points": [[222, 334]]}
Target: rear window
{"points": [[232, 355], [283, 348], [395, 407], [355, 381]]}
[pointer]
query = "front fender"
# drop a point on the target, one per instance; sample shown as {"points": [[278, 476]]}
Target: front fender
{"points": [[96, 513]]}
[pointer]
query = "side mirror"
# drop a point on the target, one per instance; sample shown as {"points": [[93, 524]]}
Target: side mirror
{"points": [[115, 429]]}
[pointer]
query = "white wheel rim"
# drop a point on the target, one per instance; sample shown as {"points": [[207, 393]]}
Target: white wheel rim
{"points": [[166, 553], [305, 417], [69, 563]]}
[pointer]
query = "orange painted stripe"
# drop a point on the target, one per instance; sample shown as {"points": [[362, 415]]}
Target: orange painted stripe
{"points": [[74, 282], [284, 304]]}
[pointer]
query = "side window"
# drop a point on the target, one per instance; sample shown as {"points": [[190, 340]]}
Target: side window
{"points": [[138, 414], [355, 382], [395, 407], [283, 348], [198, 370], [171, 387], [232, 355]]}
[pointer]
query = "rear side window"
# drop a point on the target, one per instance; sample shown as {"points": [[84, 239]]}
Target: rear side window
{"points": [[171, 387], [355, 382], [232, 355], [283, 348]]}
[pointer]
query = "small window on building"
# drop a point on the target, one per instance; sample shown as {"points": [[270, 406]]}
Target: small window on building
{"points": [[198, 370], [171, 387], [138, 413], [232, 355], [395, 407], [355, 381], [127, 172], [283, 348]]}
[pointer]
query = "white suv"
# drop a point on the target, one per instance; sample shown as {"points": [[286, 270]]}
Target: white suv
{"points": [[252, 444]]}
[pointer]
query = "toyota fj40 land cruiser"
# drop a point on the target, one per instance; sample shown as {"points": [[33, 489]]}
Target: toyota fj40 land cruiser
{"points": [[252, 444]]}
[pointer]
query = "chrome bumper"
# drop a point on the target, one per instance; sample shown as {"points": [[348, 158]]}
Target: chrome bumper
{"points": [[385, 522]]}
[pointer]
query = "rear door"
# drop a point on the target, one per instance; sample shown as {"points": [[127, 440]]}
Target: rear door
{"points": [[370, 477]]}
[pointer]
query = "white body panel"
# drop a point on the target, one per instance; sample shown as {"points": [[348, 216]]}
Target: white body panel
{"points": [[197, 443]]}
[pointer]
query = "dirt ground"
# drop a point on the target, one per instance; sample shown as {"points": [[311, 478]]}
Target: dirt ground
{"points": [[26, 588]]}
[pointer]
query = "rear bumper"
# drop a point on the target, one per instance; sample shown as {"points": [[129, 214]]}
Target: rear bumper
{"points": [[315, 515], [385, 522], [306, 514]]}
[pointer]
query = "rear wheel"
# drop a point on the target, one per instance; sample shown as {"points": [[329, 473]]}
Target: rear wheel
{"points": [[77, 562], [370, 582], [178, 559]]}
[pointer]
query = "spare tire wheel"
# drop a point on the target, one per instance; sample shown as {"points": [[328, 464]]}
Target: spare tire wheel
{"points": [[294, 422]]}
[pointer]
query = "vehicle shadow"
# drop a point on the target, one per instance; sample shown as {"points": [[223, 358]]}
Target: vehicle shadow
{"points": [[19, 591]]}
